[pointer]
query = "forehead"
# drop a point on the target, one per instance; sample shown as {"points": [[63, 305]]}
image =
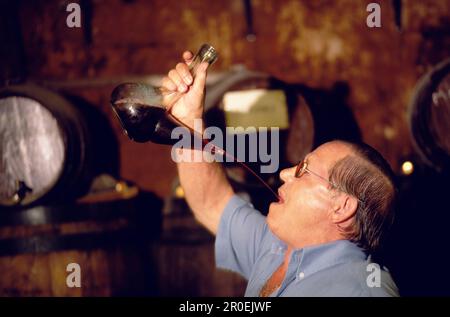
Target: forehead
{"points": [[326, 155]]}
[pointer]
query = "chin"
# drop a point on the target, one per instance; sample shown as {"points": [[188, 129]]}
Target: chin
{"points": [[275, 206], [278, 221], [275, 228], [272, 218]]}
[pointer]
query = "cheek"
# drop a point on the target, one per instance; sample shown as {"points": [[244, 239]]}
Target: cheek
{"points": [[304, 206], [313, 198], [309, 206]]}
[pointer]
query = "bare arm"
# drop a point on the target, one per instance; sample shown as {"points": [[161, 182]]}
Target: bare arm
{"points": [[205, 184], [207, 191]]}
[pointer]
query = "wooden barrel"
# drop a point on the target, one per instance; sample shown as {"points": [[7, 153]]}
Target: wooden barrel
{"points": [[108, 240], [298, 112], [47, 147], [184, 257], [429, 117]]}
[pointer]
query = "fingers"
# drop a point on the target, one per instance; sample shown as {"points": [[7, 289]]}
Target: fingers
{"points": [[187, 56], [176, 78], [184, 72], [168, 84], [180, 78]]}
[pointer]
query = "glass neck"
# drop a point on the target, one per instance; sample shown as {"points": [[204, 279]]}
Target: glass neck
{"points": [[207, 54], [194, 65]]}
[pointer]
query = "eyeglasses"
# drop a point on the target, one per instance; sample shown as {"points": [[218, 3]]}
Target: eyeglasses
{"points": [[302, 168]]}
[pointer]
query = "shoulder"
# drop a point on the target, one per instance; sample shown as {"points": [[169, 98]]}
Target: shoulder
{"points": [[351, 279], [366, 279]]}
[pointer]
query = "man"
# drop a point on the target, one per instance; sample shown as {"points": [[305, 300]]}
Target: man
{"points": [[334, 208]]}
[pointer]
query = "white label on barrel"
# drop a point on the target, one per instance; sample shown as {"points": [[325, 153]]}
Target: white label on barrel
{"points": [[256, 108]]}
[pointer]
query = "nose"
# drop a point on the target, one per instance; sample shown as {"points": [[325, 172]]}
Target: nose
{"points": [[287, 174]]}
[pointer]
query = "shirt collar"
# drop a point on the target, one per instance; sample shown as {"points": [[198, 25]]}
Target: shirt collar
{"points": [[320, 257], [312, 259]]}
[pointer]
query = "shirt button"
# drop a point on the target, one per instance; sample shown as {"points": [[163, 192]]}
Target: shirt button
{"points": [[301, 275]]}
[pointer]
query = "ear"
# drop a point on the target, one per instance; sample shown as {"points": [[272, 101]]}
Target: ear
{"points": [[344, 209]]}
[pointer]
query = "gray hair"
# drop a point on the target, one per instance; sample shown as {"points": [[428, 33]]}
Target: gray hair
{"points": [[367, 176]]}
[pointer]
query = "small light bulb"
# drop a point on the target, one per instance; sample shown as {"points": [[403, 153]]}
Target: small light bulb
{"points": [[179, 192], [120, 187], [407, 168]]}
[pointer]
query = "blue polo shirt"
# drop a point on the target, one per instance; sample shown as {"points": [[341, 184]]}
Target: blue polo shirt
{"points": [[244, 244]]}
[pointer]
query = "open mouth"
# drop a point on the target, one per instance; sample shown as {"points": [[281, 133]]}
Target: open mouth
{"points": [[280, 197]]}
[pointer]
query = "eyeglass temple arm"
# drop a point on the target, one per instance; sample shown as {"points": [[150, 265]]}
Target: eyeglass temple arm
{"points": [[330, 182]]}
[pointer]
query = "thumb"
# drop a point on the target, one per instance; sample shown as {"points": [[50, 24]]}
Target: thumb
{"points": [[200, 78]]}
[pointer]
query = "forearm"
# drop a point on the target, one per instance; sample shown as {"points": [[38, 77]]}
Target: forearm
{"points": [[207, 191], [205, 184]]}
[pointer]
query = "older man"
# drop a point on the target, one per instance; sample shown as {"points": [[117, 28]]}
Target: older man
{"points": [[334, 208]]}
